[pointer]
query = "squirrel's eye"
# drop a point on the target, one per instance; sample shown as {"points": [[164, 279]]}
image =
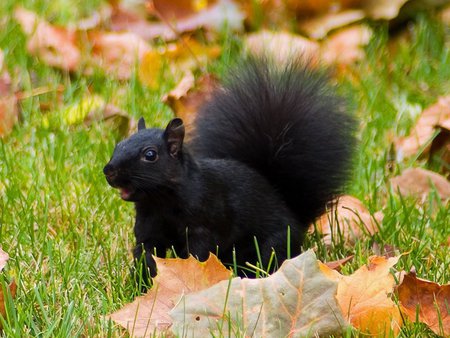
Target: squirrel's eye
{"points": [[150, 155]]}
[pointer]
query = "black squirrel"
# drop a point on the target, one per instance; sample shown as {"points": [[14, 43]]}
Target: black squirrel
{"points": [[272, 147]]}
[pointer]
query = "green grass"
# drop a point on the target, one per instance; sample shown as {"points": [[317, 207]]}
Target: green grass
{"points": [[69, 235]]}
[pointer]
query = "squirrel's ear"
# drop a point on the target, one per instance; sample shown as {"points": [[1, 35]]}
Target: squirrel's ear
{"points": [[141, 124], [174, 135]]}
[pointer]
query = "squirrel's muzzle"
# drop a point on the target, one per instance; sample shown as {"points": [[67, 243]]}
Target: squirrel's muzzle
{"points": [[110, 172]]}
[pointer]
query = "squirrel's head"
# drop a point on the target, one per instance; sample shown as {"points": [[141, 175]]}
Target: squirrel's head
{"points": [[148, 162]]}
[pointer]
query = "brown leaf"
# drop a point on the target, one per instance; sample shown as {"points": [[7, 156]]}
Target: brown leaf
{"points": [[346, 46], [175, 278], [296, 301], [56, 46], [214, 17], [9, 111], [420, 135], [418, 182], [12, 286], [187, 97], [124, 20], [184, 55], [3, 259], [337, 265], [429, 300], [364, 296], [318, 27], [178, 18], [118, 53], [383, 9], [348, 219], [282, 46]]}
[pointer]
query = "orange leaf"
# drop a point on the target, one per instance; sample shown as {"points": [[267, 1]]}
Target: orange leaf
{"points": [[282, 46], [434, 117], [8, 102], [118, 53], [12, 286], [53, 45], [429, 300], [346, 46], [348, 219], [418, 183], [187, 97], [175, 277], [364, 296]]}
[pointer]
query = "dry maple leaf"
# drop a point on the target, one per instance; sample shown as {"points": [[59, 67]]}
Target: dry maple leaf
{"points": [[318, 27], [296, 301], [180, 17], [184, 55], [12, 286], [364, 296], [187, 97], [418, 183], [53, 45], [435, 118], [337, 265], [175, 278], [429, 300], [383, 9], [348, 219], [346, 46], [8, 101], [118, 53], [282, 46]]}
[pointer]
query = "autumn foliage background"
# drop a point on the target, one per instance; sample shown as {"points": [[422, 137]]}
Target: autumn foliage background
{"points": [[74, 78]]}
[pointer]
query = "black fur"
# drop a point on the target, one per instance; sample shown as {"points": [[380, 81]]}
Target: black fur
{"points": [[272, 147]]}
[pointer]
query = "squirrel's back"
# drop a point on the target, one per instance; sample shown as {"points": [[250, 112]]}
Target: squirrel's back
{"points": [[285, 121]]}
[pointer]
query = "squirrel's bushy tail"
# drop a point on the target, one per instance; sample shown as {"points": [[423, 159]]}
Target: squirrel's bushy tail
{"points": [[285, 121]]}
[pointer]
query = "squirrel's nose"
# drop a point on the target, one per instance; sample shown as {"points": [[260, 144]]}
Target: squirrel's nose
{"points": [[109, 170]]}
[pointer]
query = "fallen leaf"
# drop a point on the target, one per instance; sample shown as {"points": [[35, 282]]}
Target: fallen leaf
{"points": [[9, 111], [186, 98], [418, 183], [214, 17], [176, 10], [346, 46], [430, 121], [348, 220], [176, 277], [296, 301], [96, 19], [282, 46], [444, 15], [118, 53], [56, 46], [90, 109], [125, 20], [364, 296], [184, 55], [383, 9], [4, 257], [426, 301], [318, 27], [337, 265]]}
